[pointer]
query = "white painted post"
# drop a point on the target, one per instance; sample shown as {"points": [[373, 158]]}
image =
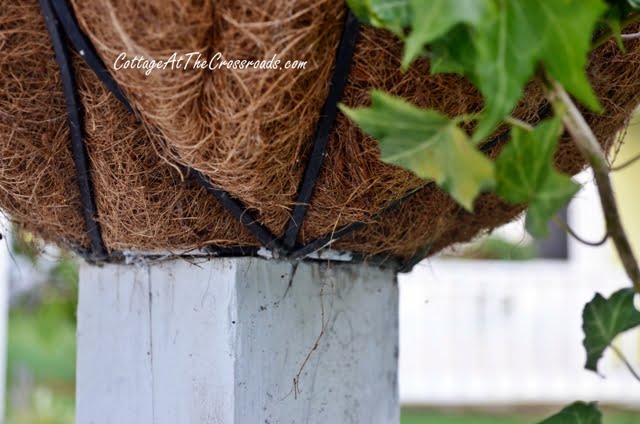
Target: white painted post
{"points": [[223, 341]]}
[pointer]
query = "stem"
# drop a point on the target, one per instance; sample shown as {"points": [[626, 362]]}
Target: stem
{"points": [[630, 36], [467, 117], [625, 361], [565, 227], [625, 164], [515, 122], [592, 151], [631, 19]]}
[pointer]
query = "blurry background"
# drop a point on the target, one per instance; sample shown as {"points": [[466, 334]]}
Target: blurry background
{"points": [[489, 332]]}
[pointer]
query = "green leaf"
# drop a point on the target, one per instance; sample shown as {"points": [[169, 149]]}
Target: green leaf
{"points": [[507, 47], [613, 19], [394, 15], [497, 44], [616, 28], [431, 20], [625, 6], [454, 53], [566, 40], [577, 413], [360, 9], [554, 193], [427, 143], [525, 174], [517, 36], [603, 319]]}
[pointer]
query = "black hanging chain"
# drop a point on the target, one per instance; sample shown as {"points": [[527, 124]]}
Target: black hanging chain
{"points": [[344, 57], [76, 130]]}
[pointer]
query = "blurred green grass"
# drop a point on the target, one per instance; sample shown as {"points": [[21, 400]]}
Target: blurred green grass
{"points": [[41, 367], [436, 417], [41, 350], [43, 342], [494, 248]]}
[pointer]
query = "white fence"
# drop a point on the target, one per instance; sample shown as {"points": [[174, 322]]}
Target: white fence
{"points": [[499, 332], [477, 332]]}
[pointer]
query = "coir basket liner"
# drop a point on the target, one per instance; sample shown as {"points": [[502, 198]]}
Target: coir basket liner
{"points": [[249, 133]]}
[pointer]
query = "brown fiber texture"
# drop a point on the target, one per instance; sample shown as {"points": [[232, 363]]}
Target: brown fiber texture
{"points": [[249, 131]]}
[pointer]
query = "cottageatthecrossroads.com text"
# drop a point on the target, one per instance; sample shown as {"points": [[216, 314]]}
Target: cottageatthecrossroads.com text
{"points": [[197, 61]]}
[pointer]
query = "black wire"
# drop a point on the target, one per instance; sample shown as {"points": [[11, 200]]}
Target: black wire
{"points": [[344, 57], [63, 12], [543, 112], [84, 47], [239, 211], [323, 242], [76, 129]]}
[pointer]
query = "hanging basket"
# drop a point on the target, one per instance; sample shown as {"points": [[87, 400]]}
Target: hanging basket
{"points": [[231, 160]]}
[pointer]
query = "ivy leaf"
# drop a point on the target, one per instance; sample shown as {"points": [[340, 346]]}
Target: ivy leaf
{"points": [[517, 36], [501, 44], [624, 5], [525, 174], [618, 9], [556, 190], [507, 47], [577, 413], [430, 20], [427, 143], [603, 319], [616, 28], [453, 53], [394, 15], [360, 9], [566, 40]]}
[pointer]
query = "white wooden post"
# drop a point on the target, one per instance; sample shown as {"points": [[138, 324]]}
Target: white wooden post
{"points": [[222, 342]]}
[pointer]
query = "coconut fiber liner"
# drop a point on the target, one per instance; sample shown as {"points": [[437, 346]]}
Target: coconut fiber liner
{"points": [[248, 134]]}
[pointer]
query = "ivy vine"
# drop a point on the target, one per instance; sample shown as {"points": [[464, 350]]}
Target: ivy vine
{"points": [[499, 46]]}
